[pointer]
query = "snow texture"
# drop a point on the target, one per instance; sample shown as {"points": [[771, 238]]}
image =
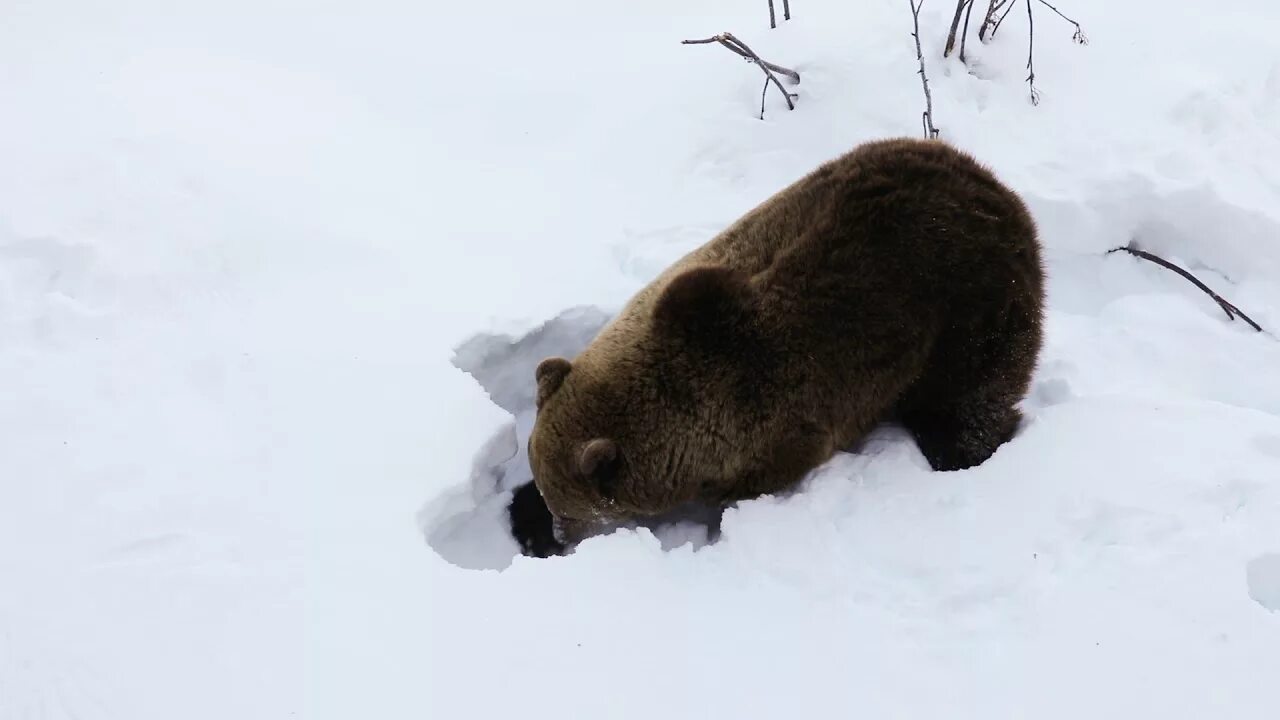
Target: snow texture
{"points": [[274, 277]]}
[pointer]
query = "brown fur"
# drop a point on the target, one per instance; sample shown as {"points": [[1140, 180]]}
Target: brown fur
{"points": [[902, 278]]}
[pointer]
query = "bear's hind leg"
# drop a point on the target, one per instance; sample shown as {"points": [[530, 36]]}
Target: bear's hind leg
{"points": [[964, 406], [962, 434]]}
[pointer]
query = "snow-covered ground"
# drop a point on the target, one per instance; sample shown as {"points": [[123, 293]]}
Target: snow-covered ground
{"points": [[246, 247]]}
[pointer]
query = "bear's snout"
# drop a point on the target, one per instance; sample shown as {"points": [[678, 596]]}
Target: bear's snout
{"points": [[568, 531]]}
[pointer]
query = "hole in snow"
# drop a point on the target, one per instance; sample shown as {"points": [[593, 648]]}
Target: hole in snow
{"points": [[468, 526]]}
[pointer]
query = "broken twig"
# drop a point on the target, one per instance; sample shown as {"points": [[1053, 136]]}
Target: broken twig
{"points": [[926, 118], [1231, 310], [737, 46]]}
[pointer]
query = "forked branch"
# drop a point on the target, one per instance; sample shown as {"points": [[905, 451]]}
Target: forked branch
{"points": [[1231, 310], [740, 48], [992, 21]]}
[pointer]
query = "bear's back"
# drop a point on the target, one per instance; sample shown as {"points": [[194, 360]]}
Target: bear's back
{"points": [[893, 229]]}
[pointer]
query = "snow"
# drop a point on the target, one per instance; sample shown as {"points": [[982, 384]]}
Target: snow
{"points": [[247, 250], [1264, 580]]}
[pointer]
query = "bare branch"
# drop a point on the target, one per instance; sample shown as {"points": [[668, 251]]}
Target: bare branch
{"points": [[786, 9], [741, 48], [994, 25], [988, 18], [964, 34], [1231, 310], [999, 22], [989, 21], [1079, 36], [926, 118], [1031, 68], [792, 74], [773, 20], [955, 25], [737, 46]]}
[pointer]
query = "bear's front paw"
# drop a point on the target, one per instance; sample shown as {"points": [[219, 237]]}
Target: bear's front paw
{"points": [[531, 523]]}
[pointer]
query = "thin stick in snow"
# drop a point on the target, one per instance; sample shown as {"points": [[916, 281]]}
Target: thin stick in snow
{"points": [[737, 46], [786, 9], [926, 118], [955, 25], [1231, 310], [773, 20], [1031, 68], [964, 34]]}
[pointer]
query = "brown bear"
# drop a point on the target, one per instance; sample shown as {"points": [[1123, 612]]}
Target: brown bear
{"points": [[902, 280]]}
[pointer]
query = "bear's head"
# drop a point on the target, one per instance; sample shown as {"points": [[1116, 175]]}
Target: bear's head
{"points": [[651, 415]]}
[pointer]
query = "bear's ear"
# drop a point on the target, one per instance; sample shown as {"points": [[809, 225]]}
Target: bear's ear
{"points": [[707, 302], [598, 462], [550, 374]]}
